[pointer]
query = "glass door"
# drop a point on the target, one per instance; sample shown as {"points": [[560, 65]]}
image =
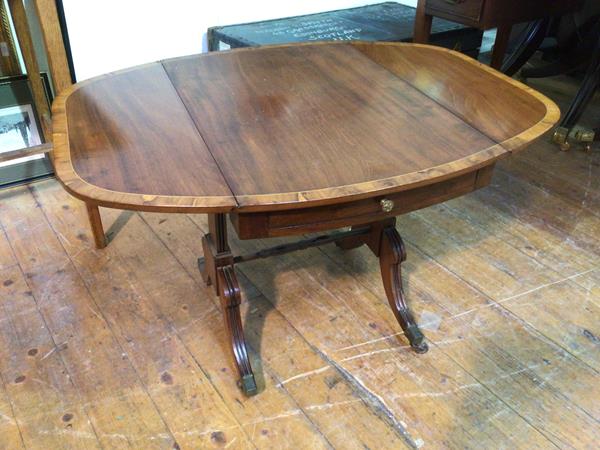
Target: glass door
{"points": [[20, 130]]}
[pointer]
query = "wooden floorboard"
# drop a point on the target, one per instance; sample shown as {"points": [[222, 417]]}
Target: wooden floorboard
{"points": [[125, 347], [493, 345], [113, 403], [173, 379], [344, 417], [157, 278], [326, 307]]}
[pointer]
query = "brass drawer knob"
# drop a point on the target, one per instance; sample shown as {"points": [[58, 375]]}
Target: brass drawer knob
{"points": [[386, 205]]}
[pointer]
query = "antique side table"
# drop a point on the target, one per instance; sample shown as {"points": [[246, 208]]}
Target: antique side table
{"points": [[293, 139], [485, 14]]}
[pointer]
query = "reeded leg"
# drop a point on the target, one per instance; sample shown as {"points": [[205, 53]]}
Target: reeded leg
{"points": [[566, 130], [96, 225], [217, 270], [589, 86], [229, 292], [391, 256], [530, 42]]}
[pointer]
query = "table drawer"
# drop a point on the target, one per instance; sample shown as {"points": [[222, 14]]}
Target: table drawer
{"points": [[360, 212], [468, 9]]}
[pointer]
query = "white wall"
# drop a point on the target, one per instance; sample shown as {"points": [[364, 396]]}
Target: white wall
{"points": [[107, 35]]}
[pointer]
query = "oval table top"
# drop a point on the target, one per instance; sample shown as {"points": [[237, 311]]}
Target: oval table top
{"points": [[289, 126]]}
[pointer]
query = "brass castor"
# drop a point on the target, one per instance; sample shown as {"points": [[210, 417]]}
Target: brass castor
{"points": [[563, 137]]}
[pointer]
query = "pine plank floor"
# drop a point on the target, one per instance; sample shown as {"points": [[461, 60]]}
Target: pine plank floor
{"points": [[125, 347]]}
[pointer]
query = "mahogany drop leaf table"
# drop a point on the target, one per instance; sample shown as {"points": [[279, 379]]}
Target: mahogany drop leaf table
{"points": [[289, 140]]}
